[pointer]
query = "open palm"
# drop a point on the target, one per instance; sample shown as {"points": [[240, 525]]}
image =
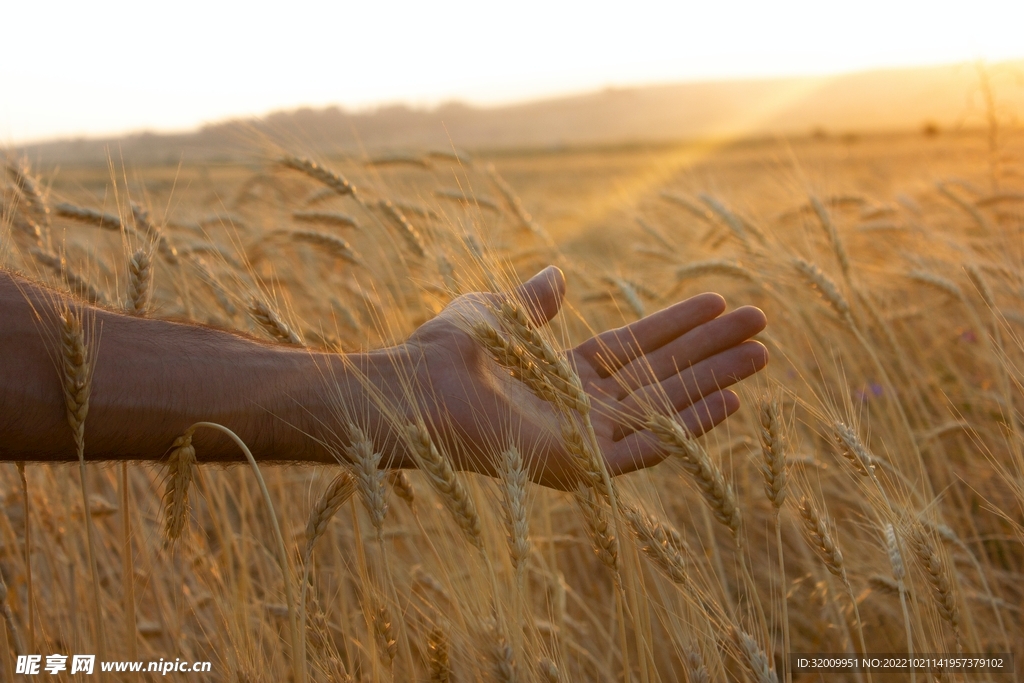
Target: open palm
{"points": [[680, 359]]}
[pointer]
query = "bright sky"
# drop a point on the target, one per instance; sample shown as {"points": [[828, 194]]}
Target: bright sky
{"points": [[110, 66]]}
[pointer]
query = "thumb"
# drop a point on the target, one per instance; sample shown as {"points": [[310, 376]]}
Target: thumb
{"points": [[542, 294]]}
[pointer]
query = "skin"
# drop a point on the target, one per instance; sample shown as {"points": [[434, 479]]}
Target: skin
{"points": [[153, 379]]}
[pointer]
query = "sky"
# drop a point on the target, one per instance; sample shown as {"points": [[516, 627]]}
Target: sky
{"points": [[107, 67]]}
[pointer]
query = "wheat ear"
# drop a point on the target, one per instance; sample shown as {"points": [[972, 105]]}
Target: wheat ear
{"points": [[140, 282], [513, 484], [319, 173], [938, 572], [446, 482], [332, 218], [384, 630], [408, 231], [335, 246], [271, 322], [369, 478], [402, 487], [437, 656], [773, 469], [128, 564], [757, 660], [180, 471], [77, 375], [659, 542], [709, 479], [899, 572], [606, 545], [828, 289]]}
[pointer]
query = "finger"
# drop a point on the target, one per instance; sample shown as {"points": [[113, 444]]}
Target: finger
{"points": [[691, 385], [700, 343], [542, 294], [610, 350], [642, 449]]}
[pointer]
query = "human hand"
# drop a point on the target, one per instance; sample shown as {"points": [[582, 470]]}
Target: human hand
{"points": [[683, 356]]}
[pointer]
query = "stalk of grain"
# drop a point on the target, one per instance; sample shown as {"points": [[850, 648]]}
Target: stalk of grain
{"points": [[408, 231], [941, 578], [271, 322], [77, 384], [12, 625], [327, 505], [321, 174], [816, 526], [833, 236], [22, 474], [446, 482], [128, 565], [140, 282], [773, 469], [513, 485], [437, 656], [899, 572], [369, 478], [298, 642]]}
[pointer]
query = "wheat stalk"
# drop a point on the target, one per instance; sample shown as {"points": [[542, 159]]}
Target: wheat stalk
{"points": [[77, 384]]}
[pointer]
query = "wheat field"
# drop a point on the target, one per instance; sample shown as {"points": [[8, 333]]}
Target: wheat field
{"points": [[867, 497]]}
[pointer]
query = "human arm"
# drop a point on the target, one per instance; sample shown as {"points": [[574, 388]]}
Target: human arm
{"points": [[154, 378]]}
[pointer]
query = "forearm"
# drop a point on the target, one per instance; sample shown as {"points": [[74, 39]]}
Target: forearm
{"points": [[152, 379]]}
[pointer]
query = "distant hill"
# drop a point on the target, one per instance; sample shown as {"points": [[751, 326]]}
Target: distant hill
{"points": [[897, 99]]}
